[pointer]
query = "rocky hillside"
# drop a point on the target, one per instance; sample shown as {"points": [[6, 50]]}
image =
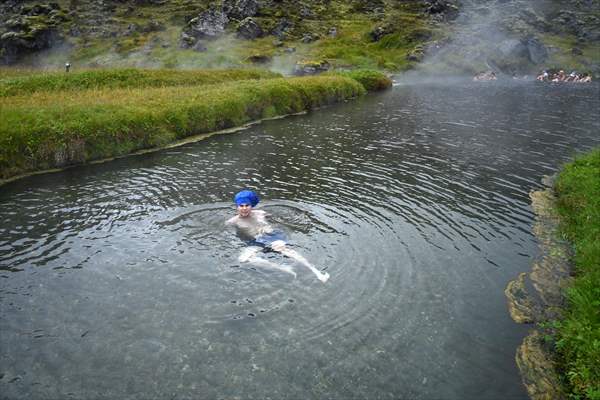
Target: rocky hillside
{"points": [[511, 36]]}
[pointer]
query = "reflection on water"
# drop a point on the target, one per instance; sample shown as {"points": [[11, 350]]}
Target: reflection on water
{"points": [[119, 280]]}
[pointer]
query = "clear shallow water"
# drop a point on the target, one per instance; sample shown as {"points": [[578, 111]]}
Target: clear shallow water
{"points": [[119, 280]]}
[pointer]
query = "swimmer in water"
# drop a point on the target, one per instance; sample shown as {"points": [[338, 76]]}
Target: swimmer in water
{"points": [[253, 224]]}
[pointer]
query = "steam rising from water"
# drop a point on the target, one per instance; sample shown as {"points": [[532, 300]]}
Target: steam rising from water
{"points": [[488, 35]]}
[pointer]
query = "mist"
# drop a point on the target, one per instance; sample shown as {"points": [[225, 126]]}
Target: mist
{"points": [[492, 35]]}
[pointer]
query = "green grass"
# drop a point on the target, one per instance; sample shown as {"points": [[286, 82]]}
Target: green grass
{"points": [[563, 58], [371, 80], [578, 335], [353, 47], [121, 78], [54, 128]]}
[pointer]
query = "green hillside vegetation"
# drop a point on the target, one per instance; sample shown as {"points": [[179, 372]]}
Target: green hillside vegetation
{"points": [[154, 39], [55, 128], [578, 335]]}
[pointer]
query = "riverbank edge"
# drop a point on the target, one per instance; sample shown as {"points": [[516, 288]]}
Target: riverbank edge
{"points": [[537, 296], [560, 357], [242, 107], [177, 143]]}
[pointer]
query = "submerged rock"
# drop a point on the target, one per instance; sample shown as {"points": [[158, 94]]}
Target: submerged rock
{"points": [[521, 306], [538, 369]]}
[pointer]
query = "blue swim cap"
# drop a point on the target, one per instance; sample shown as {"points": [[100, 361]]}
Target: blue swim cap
{"points": [[246, 197]]}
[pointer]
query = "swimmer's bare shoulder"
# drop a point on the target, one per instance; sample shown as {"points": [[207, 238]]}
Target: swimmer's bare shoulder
{"points": [[258, 215], [233, 220]]}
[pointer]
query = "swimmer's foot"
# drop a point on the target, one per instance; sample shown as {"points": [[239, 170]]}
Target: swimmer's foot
{"points": [[323, 276]]}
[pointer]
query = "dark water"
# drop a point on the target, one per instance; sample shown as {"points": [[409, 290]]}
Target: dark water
{"points": [[119, 281]]}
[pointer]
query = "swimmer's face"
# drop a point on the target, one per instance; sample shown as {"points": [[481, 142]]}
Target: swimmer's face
{"points": [[244, 210]]}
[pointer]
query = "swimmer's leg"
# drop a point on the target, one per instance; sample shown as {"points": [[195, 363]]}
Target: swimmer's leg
{"points": [[250, 255], [279, 245]]}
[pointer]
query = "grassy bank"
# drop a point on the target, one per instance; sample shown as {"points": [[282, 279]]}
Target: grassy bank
{"points": [[13, 84], [48, 128], [578, 335]]}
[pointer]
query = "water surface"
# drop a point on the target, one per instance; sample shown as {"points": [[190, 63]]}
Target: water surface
{"points": [[119, 280]]}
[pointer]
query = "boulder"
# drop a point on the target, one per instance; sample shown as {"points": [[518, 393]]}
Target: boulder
{"points": [[416, 55], [444, 8], [249, 29], [535, 50], [311, 67], [259, 59], [199, 46], [240, 9], [306, 12], [377, 33], [309, 37], [208, 25], [153, 26], [282, 29], [186, 41], [27, 34]]}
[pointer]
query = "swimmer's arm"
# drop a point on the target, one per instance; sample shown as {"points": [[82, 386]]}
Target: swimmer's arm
{"points": [[232, 221]]}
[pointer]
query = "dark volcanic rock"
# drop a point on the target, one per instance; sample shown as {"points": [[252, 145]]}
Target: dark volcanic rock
{"points": [[309, 37], [311, 67], [249, 29], [259, 59], [282, 29], [33, 30], [199, 47], [377, 33], [240, 9], [447, 9], [536, 51], [586, 27], [208, 25], [186, 41]]}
